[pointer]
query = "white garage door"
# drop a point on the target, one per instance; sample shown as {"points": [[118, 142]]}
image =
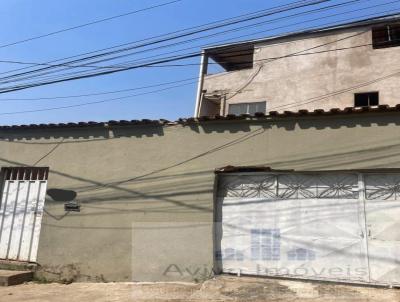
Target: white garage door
{"points": [[323, 226]]}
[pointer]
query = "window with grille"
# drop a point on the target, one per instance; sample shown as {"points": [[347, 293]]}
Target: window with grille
{"points": [[386, 36], [366, 99], [247, 108]]}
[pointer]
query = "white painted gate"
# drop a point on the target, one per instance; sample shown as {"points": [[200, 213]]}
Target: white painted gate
{"points": [[382, 202], [21, 211], [323, 226]]}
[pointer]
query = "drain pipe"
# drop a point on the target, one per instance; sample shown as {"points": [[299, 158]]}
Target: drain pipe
{"points": [[203, 71]]}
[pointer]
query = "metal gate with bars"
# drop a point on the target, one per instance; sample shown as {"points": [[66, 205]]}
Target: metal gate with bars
{"points": [[323, 226], [21, 211]]}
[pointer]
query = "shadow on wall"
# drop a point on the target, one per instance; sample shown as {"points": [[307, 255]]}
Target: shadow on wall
{"points": [[60, 195], [67, 197], [86, 133], [291, 122], [224, 126], [335, 122]]}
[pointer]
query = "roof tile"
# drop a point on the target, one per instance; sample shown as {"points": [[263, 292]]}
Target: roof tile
{"points": [[229, 117]]}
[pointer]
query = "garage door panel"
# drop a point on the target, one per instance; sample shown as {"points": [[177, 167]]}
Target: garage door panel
{"points": [[382, 186], [256, 186], [289, 186], [297, 225], [382, 193], [383, 219], [297, 257], [298, 186], [325, 218], [384, 257]]}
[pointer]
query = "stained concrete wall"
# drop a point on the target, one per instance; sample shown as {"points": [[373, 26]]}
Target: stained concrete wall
{"points": [[323, 80], [146, 192]]}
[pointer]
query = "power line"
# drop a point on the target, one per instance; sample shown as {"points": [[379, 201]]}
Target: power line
{"points": [[100, 93], [150, 38], [129, 96], [174, 44], [337, 92], [269, 58], [63, 107], [208, 36], [168, 37], [121, 66], [263, 31], [168, 34], [241, 28], [90, 23], [96, 102], [315, 99], [187, 79], [145, 65], [165, 60], [178, 65]]}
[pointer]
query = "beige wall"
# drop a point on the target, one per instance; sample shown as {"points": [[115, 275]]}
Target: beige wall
{"points": [[146, 192], [303, 82]]}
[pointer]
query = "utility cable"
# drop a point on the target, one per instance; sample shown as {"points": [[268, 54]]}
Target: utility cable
{"points": [[168, 37], [90, 23]]}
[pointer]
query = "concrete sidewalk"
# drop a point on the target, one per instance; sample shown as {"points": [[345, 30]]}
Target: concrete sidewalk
{"points": [[222, 288]]}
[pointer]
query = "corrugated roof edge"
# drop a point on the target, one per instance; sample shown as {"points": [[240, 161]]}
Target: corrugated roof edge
{"points": [[187, 121], [359, 23]]}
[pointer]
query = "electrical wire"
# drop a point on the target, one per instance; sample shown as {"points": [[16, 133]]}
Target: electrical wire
{"points": [[315, 99], [134, 67], [96, 102], [180, 65], [100, 93], [76, 105], [90, 23], [122, 66], [168, 37], [170, 59], [208, 36], [157, 36], [155, 91], [241, 28], [334, 93]]}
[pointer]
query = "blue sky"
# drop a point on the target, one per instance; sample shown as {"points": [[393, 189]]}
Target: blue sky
{"points": [[21, 19]]}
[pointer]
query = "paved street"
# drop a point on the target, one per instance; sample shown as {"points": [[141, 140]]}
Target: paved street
{"points": [[223, 288]]}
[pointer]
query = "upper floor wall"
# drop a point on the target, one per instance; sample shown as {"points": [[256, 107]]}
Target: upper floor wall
{"points": [[345, 67]]}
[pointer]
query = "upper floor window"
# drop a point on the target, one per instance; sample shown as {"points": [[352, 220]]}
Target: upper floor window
{"points": [[386, 36], [230, 58], [366, 99], [247, 108]]}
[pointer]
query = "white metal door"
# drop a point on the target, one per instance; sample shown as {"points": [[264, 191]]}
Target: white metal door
{"points": [[382, 199], [295, 225], [21, 211]]}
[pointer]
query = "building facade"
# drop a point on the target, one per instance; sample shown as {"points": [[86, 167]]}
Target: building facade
{"points": [[352, 65], [141, 200]]}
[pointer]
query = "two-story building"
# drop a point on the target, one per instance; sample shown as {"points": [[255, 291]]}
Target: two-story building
{"points": [[352, 65], [303, 194]]}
